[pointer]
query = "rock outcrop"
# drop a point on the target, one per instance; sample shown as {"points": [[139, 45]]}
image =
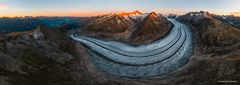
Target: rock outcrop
{"points": [[45, 56], [153, 27], [35, 57], [134, 27], [211, 33]]}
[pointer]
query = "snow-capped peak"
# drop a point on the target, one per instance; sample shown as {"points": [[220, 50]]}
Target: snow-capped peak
{"points": [[130, 13], [200, 14], [153, 14], [37, 34], [140, 16]]}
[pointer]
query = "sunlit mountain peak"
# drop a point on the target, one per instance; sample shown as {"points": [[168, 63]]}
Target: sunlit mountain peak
{"points": [[153, 14], [129, 13]]}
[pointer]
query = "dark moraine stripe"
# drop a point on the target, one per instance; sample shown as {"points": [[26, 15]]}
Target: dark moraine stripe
{"points": [[111, 58], [133, 54]]}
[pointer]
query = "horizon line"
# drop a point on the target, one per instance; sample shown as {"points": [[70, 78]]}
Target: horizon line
{"points": [[103, 13]]}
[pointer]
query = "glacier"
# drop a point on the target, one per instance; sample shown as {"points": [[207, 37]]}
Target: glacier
{"points": [[154, 59]]}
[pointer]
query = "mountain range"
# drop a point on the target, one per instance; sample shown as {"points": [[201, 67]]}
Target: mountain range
{"points": [[131, 27], [44, 54]]}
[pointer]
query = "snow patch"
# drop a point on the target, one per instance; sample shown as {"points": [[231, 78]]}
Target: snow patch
{"points": [[37, 34]]}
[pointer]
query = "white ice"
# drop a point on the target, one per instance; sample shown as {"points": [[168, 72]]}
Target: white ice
{"points": [[157, 58]]}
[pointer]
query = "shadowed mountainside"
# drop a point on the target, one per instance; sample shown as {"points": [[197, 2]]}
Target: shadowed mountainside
{"points": [[210, 32], [35, 57], [134, 27], [153, 27], [47, 56]]}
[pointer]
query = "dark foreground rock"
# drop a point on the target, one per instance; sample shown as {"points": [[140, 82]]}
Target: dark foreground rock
{"points": [[49, 57]]}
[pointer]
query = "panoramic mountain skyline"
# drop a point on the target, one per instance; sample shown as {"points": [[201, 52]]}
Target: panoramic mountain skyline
{"points": [[12, 8], [122, 42]]}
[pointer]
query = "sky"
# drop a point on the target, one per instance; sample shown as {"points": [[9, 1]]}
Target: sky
{"points": [[13, 8]]}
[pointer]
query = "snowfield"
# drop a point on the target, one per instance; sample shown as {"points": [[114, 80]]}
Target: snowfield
{"points": [[154, 59]]}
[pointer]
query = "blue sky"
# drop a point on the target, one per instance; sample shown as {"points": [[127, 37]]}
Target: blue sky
{"points": [[88, 7]]}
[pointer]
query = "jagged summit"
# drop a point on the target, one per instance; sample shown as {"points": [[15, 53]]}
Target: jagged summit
{"points": [[153, 26], [133, 26], [211, 31], [130, 13], [153, 14], [200, 14]]}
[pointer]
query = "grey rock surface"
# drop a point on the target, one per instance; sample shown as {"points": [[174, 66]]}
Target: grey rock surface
{"points": [[157, 58]]}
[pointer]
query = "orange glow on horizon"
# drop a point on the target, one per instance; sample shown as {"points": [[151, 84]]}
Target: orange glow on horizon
{"points": [[236, 14], [129, 13], [94, 13], [34, 14]]}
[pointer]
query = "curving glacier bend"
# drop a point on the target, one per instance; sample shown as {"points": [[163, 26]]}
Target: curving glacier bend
{"points": [[157, 58]]}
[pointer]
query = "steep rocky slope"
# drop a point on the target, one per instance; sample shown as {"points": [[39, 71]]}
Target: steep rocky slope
{"points": [[108, 23], [134, 27], [153, 27], [45, 56], [214, 59], [35, 57], [230, 19], [210, 32]]}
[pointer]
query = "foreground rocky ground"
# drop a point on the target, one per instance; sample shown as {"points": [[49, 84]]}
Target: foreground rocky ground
{"points": [[46, 56]]}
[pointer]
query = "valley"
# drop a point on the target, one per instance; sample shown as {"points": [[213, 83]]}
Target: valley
{"points": [[120, 49]]}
